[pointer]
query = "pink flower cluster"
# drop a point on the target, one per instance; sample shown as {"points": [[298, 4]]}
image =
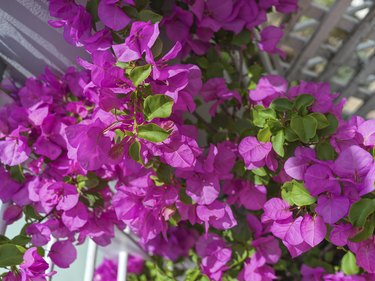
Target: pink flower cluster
{"points": [[208, 17]]}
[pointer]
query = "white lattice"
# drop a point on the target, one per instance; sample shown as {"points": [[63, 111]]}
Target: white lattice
{"points": [[333, 41]]}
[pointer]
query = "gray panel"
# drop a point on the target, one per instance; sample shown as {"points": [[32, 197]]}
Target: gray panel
{"points": [[28, 43]]}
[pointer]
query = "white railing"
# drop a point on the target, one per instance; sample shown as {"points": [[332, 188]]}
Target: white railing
{"points": [[122, 244]]}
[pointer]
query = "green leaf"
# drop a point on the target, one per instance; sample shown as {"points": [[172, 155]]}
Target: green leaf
{"points": [[259, 172], [349, 264], [135, 151], [157, 181], [325, 151], [30, 213], [10, 255], [152, 132], [261, 180], [4, 240], [242, 38], [366, 232], [212, 54], [305, 127], [303, 101], [92, 8], [175, 219], [20, 240], [219, 137], [239, 169], [148, 15], [184, 197], [290, 135], [140, 74], [321, 119], [241, 232], [157, 106], [157, 48], [255, 71], [242, 125], [123, 65], [281, 104], [275, 125], [286, 192], [221, 120], [141, 4], [202, 62], [360, 211], [92, 199], [192, 274], [16, 173], [278, 142], [90, 181], [215, 70], [264, 134], [261, 115], [130, 11], [164, 173], [331, 128], [41, 251], [300, 195]]}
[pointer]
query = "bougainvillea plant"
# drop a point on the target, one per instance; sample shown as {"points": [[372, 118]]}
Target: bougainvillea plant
{"points": [[171, 128]]}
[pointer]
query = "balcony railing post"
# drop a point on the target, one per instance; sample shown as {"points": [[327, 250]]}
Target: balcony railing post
{"points": [[90, 260], [3, 223]]}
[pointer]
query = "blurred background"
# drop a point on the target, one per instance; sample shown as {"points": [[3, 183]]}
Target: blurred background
{"points": [[27, 45], [332, 41]]}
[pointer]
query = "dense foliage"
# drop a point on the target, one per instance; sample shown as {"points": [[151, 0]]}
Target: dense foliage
{"points": [[268, 183]]}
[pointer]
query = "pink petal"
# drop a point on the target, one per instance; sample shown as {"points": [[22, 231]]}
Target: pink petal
{"points": [[353, 159], [332, 208], [295, 167], [252, 150], [14, 151], [313, 230], [366, 255], [367, 130], [290, 231], [76, 217], [277, 209], [253, 197], [63, 253], [268, 86], [112, 16]]}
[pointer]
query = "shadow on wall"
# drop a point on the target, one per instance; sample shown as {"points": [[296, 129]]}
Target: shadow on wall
{"points": [[28, 44]]}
